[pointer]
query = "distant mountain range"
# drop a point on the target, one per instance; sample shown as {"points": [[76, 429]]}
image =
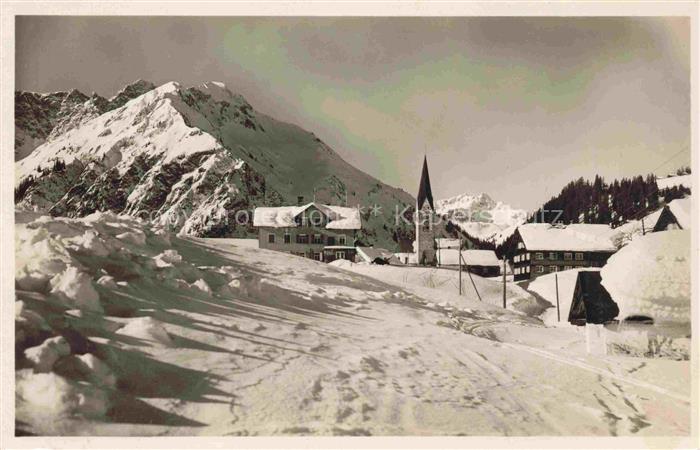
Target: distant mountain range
{"points": [[188, 157], [480, 216]]}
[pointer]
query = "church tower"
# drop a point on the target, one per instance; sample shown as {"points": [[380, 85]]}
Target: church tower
{"points": [[424, 244]]}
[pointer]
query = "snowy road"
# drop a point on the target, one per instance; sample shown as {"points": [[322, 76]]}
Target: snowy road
{"points": [[304, 348]]}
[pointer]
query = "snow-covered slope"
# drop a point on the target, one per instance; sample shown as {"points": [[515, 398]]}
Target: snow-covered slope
{"points": [[481, 216], [42, 117], [675, 180], [122, 329], [193, 158]]}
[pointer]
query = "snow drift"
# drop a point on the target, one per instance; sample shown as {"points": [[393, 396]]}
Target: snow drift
{"points": [[651, 277]]}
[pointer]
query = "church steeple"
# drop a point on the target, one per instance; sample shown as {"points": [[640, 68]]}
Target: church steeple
{"points": [[424, 245], [424, 190]]}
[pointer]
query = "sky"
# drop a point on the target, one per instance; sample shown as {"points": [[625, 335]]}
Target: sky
{"points": [[511, 106]]}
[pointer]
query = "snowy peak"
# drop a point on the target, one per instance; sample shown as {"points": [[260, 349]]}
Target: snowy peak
{"points": [[465, 201], [131, 91], [480, 215], [43, 117]]}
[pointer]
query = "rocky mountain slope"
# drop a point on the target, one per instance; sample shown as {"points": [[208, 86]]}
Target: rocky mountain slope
{"points": [[480, 216], [195, 159], [42, 117]]}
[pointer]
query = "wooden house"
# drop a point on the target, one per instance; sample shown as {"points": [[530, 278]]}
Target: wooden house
{"points": [[545, 248], [316, 231], [675, 216], [480, 262], [591, 302]]}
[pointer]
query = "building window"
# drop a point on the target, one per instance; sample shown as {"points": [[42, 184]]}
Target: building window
{"points": [[271, 238], [517, 258], [552, 269], [521, 245], [540, 269], [340, 254], [341, 240], [318, 239], [302, 239], [579, 256], [539, 255], [331, 240], [317, 256], [527, 269], [567, 256], [553, 255], [287, 238], [568, 267], [527, 256], [517, 270]]}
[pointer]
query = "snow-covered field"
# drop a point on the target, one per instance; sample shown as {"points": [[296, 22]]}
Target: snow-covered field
{"points": [[676, 180], [127, 330]]}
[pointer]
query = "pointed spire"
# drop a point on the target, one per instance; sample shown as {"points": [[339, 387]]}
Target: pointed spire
{"points": [[424, 190]]}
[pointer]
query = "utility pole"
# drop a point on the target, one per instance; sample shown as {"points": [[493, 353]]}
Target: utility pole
{"points": [[459, 250], [504, 281], [469, 274], [556, 285]]}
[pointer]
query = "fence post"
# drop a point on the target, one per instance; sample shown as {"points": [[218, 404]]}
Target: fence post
{"points": [[556, 285], [459, 251], [504, 282]]}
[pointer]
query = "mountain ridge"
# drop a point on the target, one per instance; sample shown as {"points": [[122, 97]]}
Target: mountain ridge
{"points": [[192, 155], [480, 216]]}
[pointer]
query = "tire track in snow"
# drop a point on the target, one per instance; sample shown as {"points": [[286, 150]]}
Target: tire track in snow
{"points": [[599, 371]]}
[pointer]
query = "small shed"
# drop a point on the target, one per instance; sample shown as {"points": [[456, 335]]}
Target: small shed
{"points": [[675, 216], [374, 255], [480, 262], [591, 302]]}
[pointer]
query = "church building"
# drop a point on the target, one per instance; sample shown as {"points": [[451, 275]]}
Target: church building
{"points": [[424, 245]]}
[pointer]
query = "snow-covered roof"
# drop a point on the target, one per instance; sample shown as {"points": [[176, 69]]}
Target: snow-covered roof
{"points": [[580, 237], [370, 254], [450, 256], [681, 211], [651, 277], [340, 217]]}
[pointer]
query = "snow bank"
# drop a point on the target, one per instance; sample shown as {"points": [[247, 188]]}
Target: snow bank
{"points": [[75, 289], [45, 355], [680, 180], [167, 259], [146, 328], [54, 397], [651, 277], [202, 286], [444, 284], [98, 371]]}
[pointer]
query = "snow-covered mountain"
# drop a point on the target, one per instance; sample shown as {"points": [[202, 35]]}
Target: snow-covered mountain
{"points": [[42, 117], [480, 216], [192, 158]]}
